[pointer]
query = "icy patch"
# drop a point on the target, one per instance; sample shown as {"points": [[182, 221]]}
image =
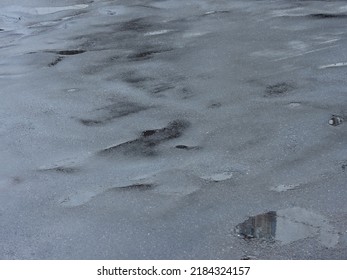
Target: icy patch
{"points": [[67, 164], [298, 45], [173, 182], [193, 34], [339, 64], [158, 32], [214, 12], [270, 53], [284, 188], [79, 199], [296, 12], [217, 177], [52, 10], [294, 105]]}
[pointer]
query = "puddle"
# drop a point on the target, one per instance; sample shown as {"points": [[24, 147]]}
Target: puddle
{"points": [[287, 226]]}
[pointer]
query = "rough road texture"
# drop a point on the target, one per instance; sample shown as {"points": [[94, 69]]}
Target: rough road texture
{"points": [[173, 129]]}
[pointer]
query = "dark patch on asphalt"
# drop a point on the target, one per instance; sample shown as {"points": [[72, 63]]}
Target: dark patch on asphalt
{"points": [[56, 61], [147, 54], [327, 16], [173, 130], [215, 105], [278, 89], [148, 140], [135, 79], [62, 169], [247, 258], [70, 52], [186, 93], [184, 147], [138, 187], [17, 180], [90, 122], [113, 111], [148, 133], [137, 25], [145, 6], [142, 55], [161, 88]]}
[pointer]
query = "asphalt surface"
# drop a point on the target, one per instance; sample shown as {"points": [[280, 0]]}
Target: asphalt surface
{"points": [[173, 129]]}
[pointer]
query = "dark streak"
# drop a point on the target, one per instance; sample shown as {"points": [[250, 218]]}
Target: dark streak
{"points": [[161, 88], [88, 122], [146, 54], [184, 147], [147, 133], [145, 6], [138, 187], [62, 169], [148, 140], [326, 16], [56, 61], [70, 52], [214, 105]]}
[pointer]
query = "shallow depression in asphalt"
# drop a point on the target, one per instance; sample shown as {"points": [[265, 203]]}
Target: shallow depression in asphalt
{"points": [[288, 225]]}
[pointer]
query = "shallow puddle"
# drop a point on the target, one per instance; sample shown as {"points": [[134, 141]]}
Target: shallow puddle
{"points": [[288, 225]]}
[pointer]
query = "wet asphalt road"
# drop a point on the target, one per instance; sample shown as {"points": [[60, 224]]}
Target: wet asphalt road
{"points": [[173, 130]]}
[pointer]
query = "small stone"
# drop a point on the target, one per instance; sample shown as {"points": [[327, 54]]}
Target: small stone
{"points": [[335, 120]]}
